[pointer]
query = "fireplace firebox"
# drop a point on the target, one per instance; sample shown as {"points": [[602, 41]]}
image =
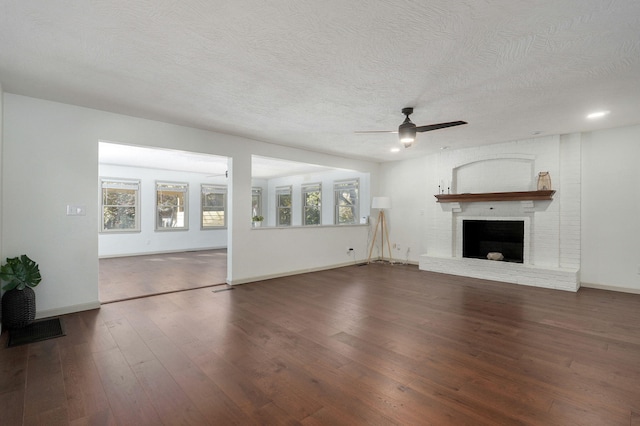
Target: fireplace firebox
{"points": [[480, 237]]}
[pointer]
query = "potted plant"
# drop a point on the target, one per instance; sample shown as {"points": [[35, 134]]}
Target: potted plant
{"points": [[257, 221], [19, 300]]}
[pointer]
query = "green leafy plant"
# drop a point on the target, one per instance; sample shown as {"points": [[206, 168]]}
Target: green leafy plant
{"points": [[258, 218], [20, 272]]}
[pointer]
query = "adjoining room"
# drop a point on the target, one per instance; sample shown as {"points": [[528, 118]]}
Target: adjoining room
{"points": [[164, 222]]}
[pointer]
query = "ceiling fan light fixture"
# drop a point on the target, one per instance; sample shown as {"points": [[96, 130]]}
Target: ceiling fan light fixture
{"points": [[407, 130], [407, 136]]}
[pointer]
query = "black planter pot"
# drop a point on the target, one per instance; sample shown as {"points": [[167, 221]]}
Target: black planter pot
{"points": [[18, 308]]}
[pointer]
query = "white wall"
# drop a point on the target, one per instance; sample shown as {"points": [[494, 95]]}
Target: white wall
{"points": [[148, 240], [409, 184], [611, 208], [50, 159]]}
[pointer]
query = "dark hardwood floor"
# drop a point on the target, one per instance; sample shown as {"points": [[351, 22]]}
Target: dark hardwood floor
{"points": [[375, 345], [129, 277]]}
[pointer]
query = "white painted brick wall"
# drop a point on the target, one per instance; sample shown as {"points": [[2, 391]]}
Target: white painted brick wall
{"points": [[552, 258], [569, 197]]}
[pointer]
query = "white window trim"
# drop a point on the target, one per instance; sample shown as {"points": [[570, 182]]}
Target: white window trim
{"points": [[342, 184], [212, 189], [175, 187], [120, 183], [284, 190], [311, 187], [256, 191]]}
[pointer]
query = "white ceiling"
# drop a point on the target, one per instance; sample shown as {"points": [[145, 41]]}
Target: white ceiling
{"points": [[211, 165], [311, 73]]}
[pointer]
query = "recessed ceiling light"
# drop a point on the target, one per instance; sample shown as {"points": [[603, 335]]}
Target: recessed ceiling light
{"points": [[444, 147], [395, 149], [537, 132], [597, 114]]}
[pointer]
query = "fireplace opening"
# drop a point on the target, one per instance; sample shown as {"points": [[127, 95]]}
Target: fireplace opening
{"points": [[480, 237]]}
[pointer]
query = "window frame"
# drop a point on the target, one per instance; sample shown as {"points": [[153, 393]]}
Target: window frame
{"points": [[172, 187], [309, 188], [256, 191], [120, 183], [209, 188], [284, 190], [339, 186]]}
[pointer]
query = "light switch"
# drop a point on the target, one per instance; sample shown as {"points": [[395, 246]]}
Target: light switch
{"points": [[76, 210]]}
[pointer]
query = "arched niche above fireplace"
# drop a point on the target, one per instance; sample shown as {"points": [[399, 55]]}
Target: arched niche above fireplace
{"points": [[496, 173]]}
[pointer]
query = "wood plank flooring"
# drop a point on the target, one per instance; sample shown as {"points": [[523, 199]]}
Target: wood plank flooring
{"points": [[129, 277], [374, 345]]}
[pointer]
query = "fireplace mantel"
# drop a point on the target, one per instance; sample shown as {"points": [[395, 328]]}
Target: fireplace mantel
{"points": [[496, 196]]}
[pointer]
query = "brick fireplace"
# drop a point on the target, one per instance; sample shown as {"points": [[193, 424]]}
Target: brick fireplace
{"points": [[550, 228]]}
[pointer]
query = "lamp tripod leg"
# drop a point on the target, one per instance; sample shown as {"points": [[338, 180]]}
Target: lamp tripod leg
{"points": [[375, 233], [386, 230]]}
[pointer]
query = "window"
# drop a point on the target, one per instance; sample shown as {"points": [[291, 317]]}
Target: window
{"points": [[214, 206], [171, 205], [312, 205], [256, 202], [120, 205], [283, 206], [346, 201]]}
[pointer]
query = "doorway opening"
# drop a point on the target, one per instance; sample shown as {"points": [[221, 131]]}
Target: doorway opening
{"points": [[163, 221]]}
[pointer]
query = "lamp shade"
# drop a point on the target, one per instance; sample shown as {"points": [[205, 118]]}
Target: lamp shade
{"points": [[381, 203]]}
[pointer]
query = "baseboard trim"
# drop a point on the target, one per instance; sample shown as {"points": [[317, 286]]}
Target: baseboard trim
{"points": [[611, 288], [68, 310], [151, 253], [289, 273]]}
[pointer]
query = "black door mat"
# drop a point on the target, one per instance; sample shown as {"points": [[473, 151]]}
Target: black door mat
{"points": [[35, 332]]}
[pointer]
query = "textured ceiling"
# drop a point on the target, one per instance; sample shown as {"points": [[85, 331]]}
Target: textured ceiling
{"points": [[309, 74]]}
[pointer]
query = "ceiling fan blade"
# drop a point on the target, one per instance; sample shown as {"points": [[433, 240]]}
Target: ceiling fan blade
{"points": [[430, 127], [375, 131]]}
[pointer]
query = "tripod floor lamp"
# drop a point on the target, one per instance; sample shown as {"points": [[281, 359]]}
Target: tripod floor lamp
{"points": [[381, 203]]}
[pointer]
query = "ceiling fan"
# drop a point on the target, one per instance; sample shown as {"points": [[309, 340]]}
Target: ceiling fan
{"points": [[407, 130]]}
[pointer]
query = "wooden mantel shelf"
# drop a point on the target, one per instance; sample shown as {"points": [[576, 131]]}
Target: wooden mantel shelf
{"points": [[496, 196]]}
